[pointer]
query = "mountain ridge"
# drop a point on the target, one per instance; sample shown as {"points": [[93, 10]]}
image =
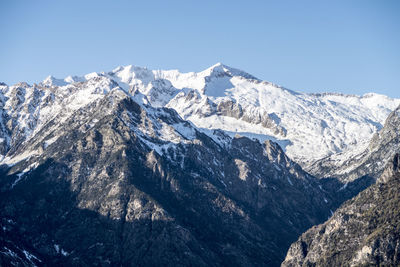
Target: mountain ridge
{"points": [[308, 126]]}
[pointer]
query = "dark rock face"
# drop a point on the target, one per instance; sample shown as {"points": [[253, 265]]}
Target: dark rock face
{"points": [[365, 231], [105, 188]]}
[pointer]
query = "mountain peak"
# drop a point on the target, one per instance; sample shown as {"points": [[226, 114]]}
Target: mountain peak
{"points": [[218, 64], [220, 68], [53, 81]]}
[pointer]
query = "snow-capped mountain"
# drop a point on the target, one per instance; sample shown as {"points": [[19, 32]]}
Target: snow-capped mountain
{"points": [[94, 175], [143, 167], [308, 126]]}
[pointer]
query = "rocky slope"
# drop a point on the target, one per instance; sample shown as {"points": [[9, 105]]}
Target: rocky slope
{"points": [[363, 232], [94, 175]]}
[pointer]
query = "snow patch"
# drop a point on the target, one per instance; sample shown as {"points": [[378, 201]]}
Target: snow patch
{"points": [[30, 256], [49, 141], [361, 256], [19, 178], [343, 187]]}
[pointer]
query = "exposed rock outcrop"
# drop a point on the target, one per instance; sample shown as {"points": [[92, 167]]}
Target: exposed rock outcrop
{"points": [[365, 231]]}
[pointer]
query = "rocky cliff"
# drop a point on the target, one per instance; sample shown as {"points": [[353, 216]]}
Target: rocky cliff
{"points": [[365, 231]]}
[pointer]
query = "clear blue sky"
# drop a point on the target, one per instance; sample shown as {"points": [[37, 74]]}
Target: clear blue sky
{"points": [[311, 46]]}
